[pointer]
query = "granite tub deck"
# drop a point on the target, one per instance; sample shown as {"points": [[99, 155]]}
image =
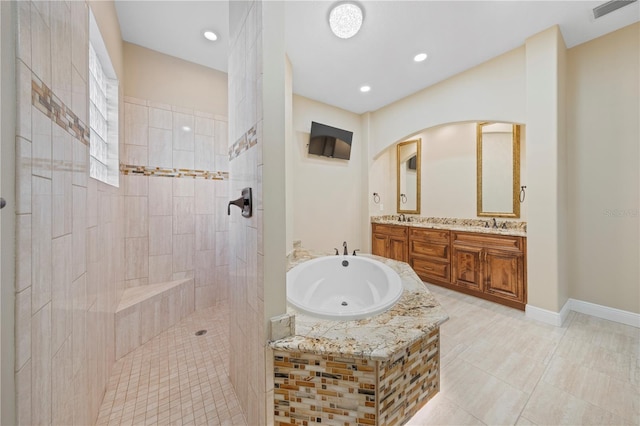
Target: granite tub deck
{"points": [[375, 371], [513, 228]]}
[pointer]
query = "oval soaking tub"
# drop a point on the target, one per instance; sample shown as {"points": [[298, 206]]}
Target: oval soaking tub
{"points": [[343, 287]]}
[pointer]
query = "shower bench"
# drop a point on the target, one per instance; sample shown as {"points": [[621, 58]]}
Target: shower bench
{"points": [[145, 311]]}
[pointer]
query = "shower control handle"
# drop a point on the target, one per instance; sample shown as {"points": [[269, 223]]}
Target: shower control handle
{"points": [[244, 203]]}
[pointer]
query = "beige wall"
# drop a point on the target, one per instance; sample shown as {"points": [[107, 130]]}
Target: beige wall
{"points": [[449, 156], [492, 91], [603, 136], [544, 265], [327, 192], [161, 78]]}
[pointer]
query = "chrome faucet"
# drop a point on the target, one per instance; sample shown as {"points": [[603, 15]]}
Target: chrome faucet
{"points": [[346, 251]]}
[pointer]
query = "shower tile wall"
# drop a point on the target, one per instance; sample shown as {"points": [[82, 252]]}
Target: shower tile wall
{"points": [[247, 328], [70, 232], [176, 227]]}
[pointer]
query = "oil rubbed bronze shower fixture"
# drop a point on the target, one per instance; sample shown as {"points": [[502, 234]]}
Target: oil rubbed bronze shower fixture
{"points": [[245, 203]]}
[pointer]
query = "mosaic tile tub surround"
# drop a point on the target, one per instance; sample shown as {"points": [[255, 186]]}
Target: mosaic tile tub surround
{"points": [[515, 228], [375, 371]]}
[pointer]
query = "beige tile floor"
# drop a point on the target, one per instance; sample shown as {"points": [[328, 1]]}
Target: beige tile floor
{"points": [[498, 368], [176, 378]]}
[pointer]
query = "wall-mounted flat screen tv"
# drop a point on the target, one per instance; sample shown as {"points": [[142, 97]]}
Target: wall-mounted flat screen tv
{"points": [[330, 141]]}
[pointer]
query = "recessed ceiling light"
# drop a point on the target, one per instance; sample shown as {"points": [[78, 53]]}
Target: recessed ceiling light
{"points": [[186, 128], [345, 19], [210, 35], [420, 57], [365, 89]]}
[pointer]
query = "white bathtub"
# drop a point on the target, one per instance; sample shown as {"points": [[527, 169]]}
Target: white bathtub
{"points": [[343, 287]]}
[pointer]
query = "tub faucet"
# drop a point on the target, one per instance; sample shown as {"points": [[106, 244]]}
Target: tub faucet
{"points": [[346, 251]]}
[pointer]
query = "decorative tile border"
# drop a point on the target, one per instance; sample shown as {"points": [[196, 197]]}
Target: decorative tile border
{"points": [[408, 380], [127, 169], [246, 141], [320, 389], [50, 105], [312, 389]]}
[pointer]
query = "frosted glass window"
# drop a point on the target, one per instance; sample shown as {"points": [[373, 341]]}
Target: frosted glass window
{"points": [[103, 111]]}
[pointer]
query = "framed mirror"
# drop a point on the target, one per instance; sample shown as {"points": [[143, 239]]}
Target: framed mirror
{"points": [[408, 168], [498, 169]]}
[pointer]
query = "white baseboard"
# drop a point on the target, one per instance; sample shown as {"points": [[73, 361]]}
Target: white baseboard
{"points": [[598, 311], [547, 317], [605, 312]]}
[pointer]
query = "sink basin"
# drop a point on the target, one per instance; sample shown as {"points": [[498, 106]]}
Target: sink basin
{"points": [[343, 287]]}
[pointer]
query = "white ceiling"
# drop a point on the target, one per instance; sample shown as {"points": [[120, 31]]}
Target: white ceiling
{"points": [[456, 35]]}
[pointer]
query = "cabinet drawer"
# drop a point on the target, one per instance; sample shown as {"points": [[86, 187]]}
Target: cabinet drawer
{"points": [[431, 269], [506, 242], [440, 235], [391, 230], [437, 250]]}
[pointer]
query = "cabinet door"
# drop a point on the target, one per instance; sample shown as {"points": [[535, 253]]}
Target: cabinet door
{"points": [[379, 245], [467, 267], [504, 274], [397, 249]]}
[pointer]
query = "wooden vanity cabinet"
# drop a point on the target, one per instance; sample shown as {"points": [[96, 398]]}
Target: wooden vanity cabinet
{"points": [[389, 241], [430, 254], [490, 266]]}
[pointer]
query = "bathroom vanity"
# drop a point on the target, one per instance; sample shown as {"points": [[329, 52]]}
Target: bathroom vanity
{"points": [[462, 255], [375, 371]]}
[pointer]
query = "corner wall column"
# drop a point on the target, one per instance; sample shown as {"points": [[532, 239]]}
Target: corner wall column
{"points": [[546, 172]]}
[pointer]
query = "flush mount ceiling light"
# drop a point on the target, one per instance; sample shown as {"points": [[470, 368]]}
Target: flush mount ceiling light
{"points": [[365, 89], [210, 35], [420, 57], [345, 19]]}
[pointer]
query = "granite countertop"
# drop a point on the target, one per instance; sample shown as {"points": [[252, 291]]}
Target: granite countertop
{"points": [[513, 228], [416, 314]]}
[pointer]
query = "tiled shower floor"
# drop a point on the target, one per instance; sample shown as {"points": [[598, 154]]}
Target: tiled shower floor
{"points": [[177, 378]]}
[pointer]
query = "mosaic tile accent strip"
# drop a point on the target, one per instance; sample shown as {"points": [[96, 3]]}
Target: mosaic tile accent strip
{"points": [[127, 169], [245, 142], [50, 105], [321, 389], [315, 389], [409, 380]]}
